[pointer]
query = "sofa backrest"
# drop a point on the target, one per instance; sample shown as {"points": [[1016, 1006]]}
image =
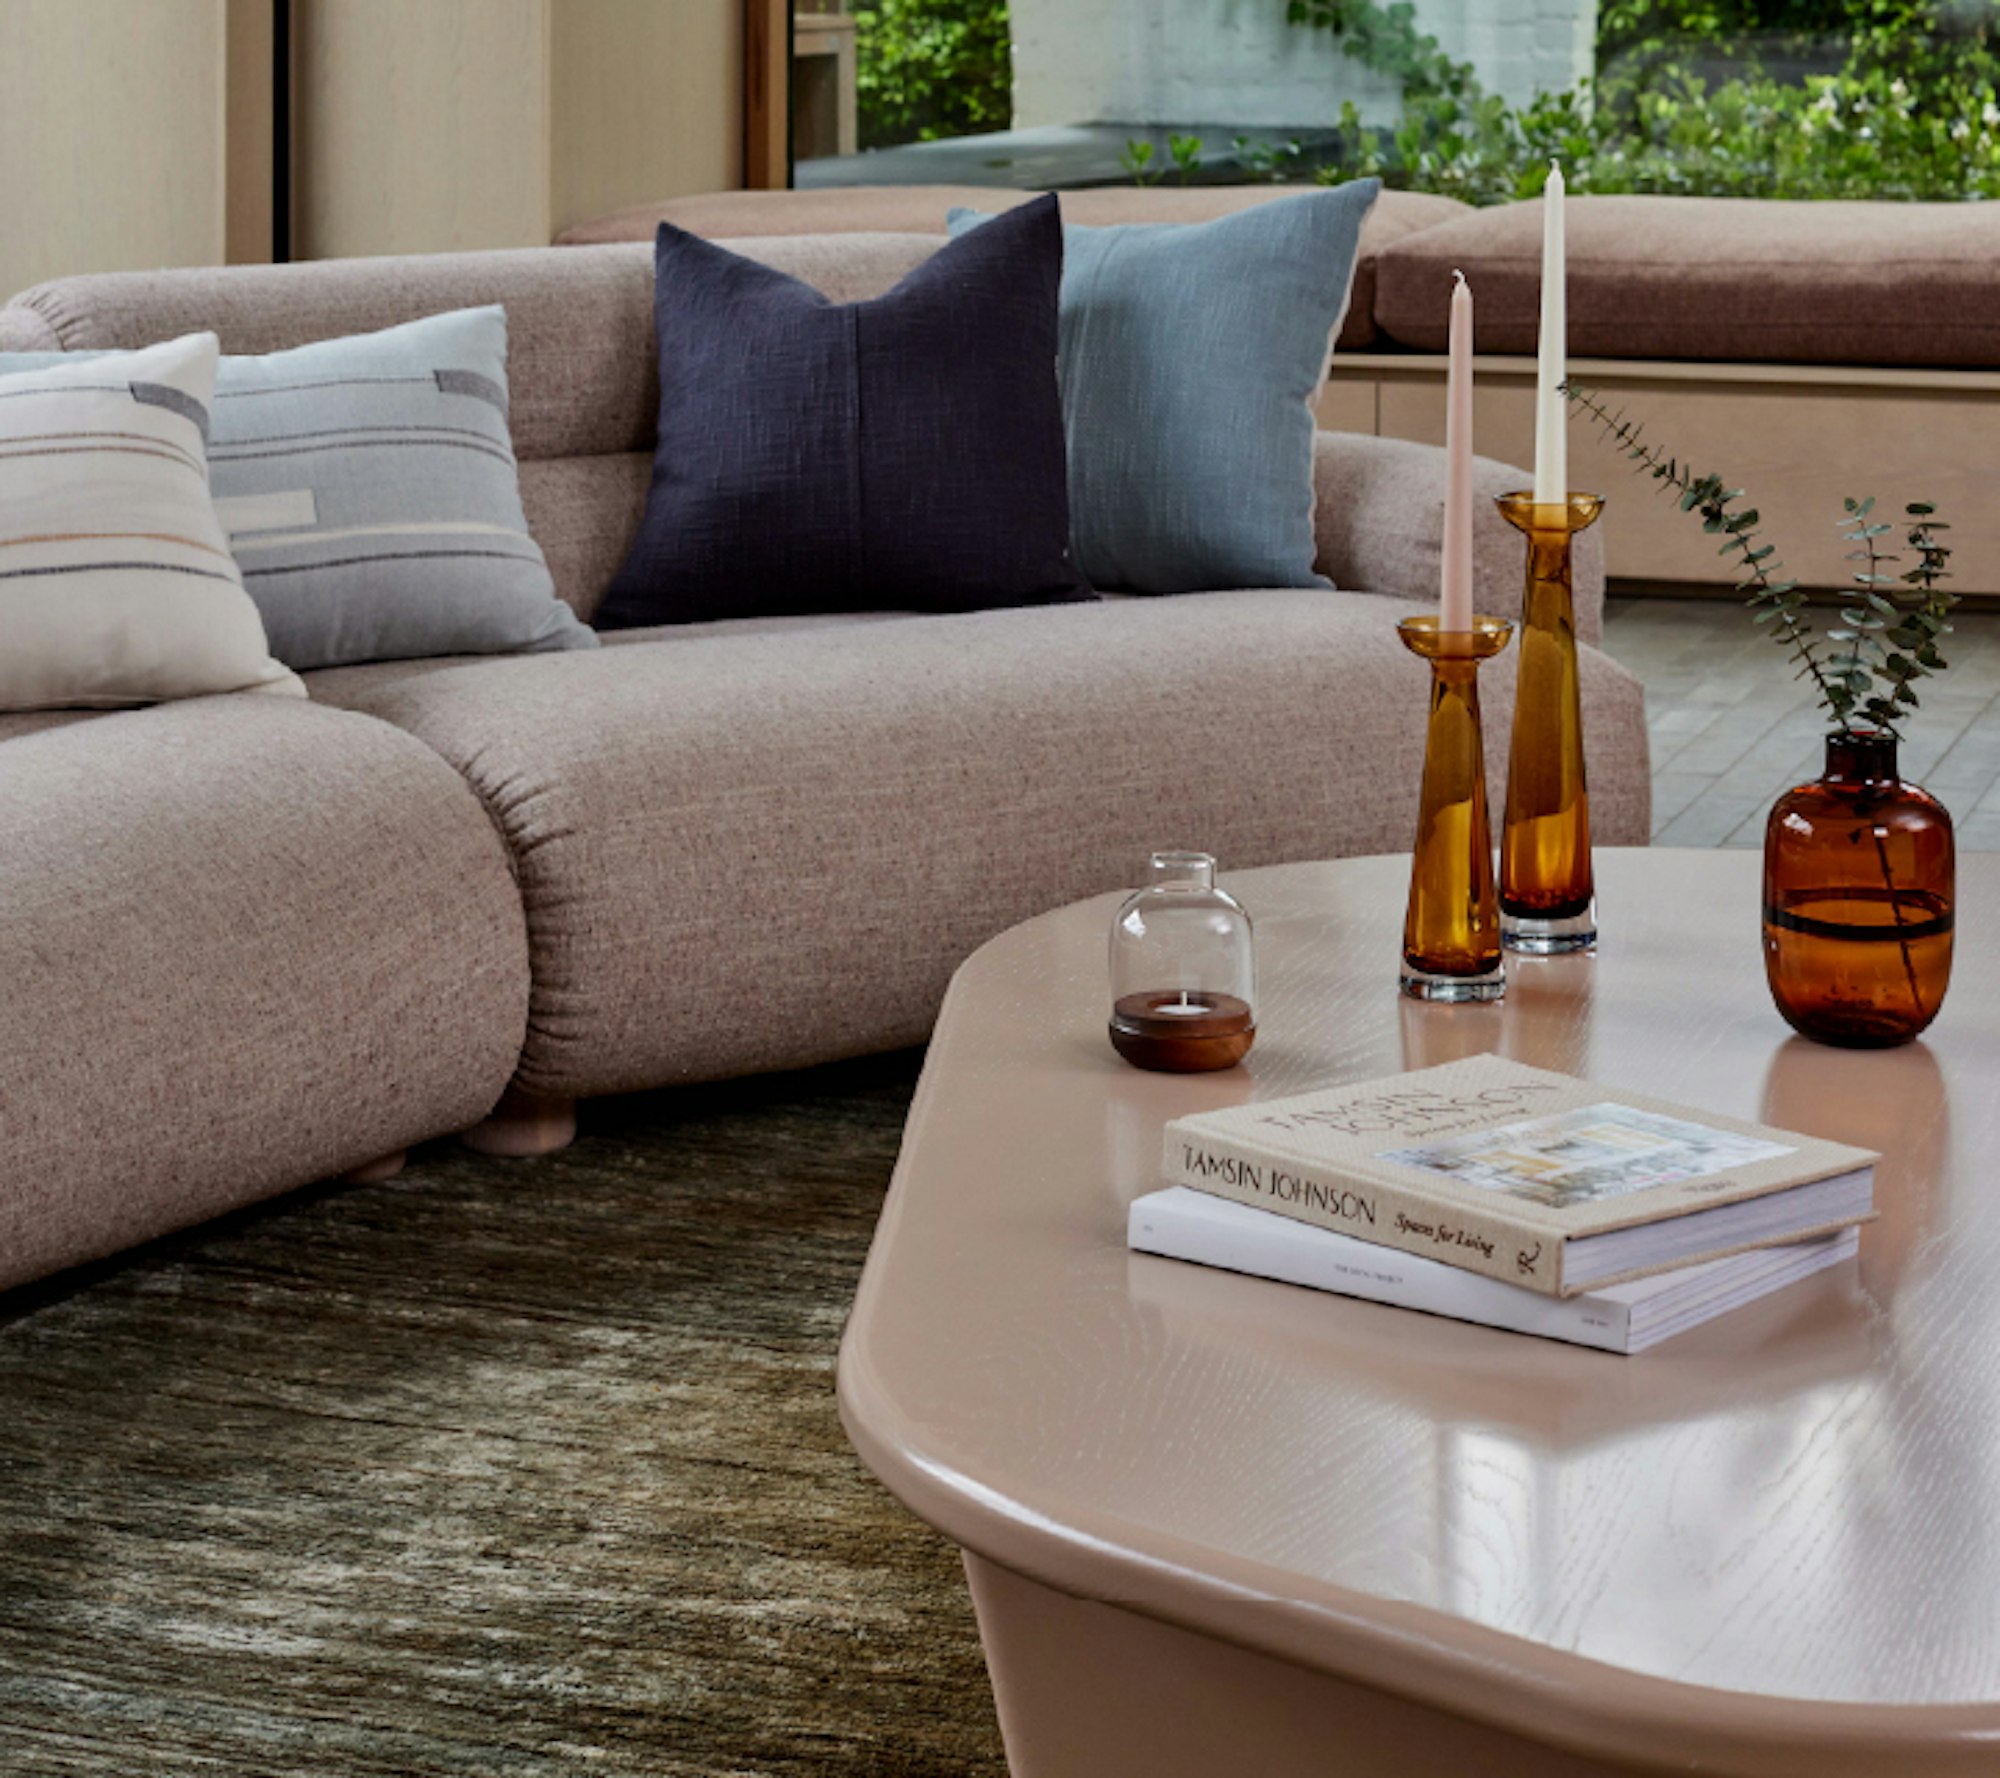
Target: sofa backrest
{"points": [[922, 209], [582, 364]]}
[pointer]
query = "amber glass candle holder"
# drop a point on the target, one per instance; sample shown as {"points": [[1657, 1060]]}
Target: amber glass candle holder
{"points": [[1547, 891], [1451, 934]]}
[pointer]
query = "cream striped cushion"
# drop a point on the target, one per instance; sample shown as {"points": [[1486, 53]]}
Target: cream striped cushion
{"points": [[116, 582]]}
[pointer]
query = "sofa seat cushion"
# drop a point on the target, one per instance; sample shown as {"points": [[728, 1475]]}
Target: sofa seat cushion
{"points": [[1730, 280], [351, 688], [744, 851], [247, 943], [33, 722], [921, 209]]}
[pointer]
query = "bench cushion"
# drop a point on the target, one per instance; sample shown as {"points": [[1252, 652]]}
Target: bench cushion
{"points": [[921, 209], [1729, 280]]}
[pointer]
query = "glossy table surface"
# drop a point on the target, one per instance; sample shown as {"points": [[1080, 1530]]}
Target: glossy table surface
{"points": [[1772, 1541]]}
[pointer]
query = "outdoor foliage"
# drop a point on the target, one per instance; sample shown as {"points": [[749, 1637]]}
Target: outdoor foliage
{"points": [[931, 68], [1751, 98]]}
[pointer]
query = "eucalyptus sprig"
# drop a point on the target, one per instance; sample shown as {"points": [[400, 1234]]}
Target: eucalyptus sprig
{"points": [[1891, 636], [1865, 672]]}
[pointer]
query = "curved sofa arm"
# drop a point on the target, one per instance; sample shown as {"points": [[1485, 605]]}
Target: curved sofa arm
{"points": [[23, 328], [1378, 517]]}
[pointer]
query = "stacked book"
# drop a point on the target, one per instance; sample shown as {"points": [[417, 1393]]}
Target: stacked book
{"points": [[1507, 1195]]}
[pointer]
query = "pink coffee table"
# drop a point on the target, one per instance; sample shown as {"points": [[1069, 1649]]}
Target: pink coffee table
{"points": [[1215, 1525]]}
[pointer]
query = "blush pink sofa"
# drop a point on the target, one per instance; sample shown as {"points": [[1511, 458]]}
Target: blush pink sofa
{"points": [[250, 943]]}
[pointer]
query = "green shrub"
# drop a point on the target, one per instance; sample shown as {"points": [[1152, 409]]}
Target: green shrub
{"points": [[1684, 105], [1634, 36], [931, 68]]}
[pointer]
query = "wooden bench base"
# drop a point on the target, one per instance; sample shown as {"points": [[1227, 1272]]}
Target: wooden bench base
{"points": [[1797, 437]]}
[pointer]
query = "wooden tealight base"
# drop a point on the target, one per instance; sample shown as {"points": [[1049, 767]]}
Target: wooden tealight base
{"points": [[1180, 1031]]}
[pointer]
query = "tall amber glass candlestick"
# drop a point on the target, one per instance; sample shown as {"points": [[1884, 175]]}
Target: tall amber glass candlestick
{"points": [[1451, 934], [1547, 892]]}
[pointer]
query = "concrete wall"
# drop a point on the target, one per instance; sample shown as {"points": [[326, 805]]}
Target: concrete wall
{"points": [[1238, 62]]}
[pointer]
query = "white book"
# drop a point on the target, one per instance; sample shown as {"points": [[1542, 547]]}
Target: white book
{"points": [[1179, 1223]]}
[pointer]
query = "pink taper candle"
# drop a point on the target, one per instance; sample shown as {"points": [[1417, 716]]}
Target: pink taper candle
{"points": [[1455, 591]]}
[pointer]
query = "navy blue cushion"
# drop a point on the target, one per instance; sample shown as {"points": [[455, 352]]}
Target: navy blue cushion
{"points": [[904, 454]]}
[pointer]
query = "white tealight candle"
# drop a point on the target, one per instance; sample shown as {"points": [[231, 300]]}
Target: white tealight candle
{"points": [[1551, 409]]}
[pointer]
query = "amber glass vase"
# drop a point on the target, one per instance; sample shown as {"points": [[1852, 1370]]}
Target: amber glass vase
{"points": [[1451, 931], [1858, 888], [1547, 889]]}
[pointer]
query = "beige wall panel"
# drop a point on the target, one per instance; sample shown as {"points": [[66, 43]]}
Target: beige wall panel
{"points": [[1797, 442], [647, 102], [421, 126], [111, 136]]}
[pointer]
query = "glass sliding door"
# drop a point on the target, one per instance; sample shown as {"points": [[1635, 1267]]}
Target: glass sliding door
{"points": [[1891, 99]]}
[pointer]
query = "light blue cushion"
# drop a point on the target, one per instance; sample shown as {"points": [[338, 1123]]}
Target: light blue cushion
{"points": [[370, 494], [1189, 357]]}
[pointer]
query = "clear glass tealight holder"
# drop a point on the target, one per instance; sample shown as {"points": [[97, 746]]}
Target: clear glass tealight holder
{"points": [[1183, 971]]}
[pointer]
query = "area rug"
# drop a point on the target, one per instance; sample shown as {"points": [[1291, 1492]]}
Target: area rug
{"points": [[499, 1468]]}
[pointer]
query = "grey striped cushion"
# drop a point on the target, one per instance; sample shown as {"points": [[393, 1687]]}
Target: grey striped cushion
{"points": [[369, 490]]}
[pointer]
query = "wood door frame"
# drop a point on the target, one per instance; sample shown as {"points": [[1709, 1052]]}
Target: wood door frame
{"points": [[767, 94]]}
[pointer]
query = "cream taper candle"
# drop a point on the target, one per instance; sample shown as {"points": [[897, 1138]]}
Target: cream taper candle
{"points": [[1455, 576], [1551, 410]]}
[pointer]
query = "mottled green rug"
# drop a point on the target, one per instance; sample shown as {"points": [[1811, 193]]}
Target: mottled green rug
{"points": [[499, 1468]]}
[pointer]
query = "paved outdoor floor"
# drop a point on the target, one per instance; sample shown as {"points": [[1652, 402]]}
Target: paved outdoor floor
{"points": [[1731, 729]]}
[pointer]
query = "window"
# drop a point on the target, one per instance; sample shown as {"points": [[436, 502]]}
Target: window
{"points": [[1767, 98]]}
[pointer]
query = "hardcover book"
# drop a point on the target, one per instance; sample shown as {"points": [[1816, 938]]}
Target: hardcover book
{"points": [[1538, 1179], [1624, 1318]]}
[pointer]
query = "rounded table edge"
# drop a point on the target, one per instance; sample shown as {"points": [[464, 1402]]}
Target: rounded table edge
{"points": [[1429, 1657]]}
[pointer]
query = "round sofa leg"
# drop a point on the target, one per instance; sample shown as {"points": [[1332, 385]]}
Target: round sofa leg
{"points": [[524, 1124], [374, 1172]]}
